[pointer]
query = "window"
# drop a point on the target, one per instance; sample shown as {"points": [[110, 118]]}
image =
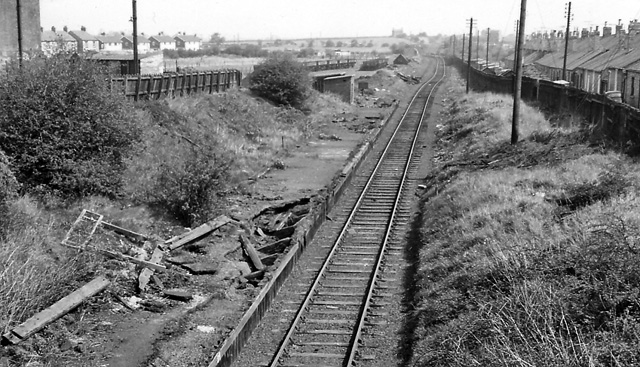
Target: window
{"points": [[633, 86]]}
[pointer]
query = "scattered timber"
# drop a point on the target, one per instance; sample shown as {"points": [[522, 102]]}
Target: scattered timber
{"points": [[276, 247], [251, 251], [200, 231], [58, 309], [146, 273]]}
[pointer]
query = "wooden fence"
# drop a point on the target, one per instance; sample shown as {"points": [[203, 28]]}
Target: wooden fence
{"points": [[618, 121], [321, 65], [173, 84]]}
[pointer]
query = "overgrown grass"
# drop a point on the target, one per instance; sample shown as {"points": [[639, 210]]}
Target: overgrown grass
{"points": [[512, 273], [198, 149], [34, 272]]}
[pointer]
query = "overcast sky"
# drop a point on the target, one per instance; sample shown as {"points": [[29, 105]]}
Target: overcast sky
{"points": [[271, 19]]}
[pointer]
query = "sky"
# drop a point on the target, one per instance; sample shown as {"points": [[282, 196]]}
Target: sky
{"points": [[273, 19]]}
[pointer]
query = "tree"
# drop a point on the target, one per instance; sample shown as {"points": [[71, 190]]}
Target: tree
{"points": [[282, 80], [354, 43], [216, 39], [310, 43], [370, 44], [340, 44], [63, 129], [329, 43], [278, 42]]}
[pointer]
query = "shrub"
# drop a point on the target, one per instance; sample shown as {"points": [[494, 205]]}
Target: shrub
{"points": [[282, 80], [8, 183], [63, 129]]}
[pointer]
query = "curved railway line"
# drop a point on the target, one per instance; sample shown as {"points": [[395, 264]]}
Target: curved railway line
{"points": [[333, 306]]}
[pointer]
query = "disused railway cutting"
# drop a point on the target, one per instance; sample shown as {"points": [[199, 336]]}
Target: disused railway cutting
{"points": [[332, 315]]}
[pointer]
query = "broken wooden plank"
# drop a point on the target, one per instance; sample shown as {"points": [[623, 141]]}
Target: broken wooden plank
{"points": [[146, 273], [279, 221], [120, 256], [254, 275], [251, 251], [284, 232], [276, 247], [58, 309], [269, 260], [201, 231], [125, 232]]}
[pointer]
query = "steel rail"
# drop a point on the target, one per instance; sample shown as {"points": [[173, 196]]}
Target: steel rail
{"points": [[312, 290], [374, 276]]}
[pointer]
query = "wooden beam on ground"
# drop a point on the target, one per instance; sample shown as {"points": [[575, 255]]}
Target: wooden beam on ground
{"points": [[201, 231], [146, 273], [276, 247], [125, 232], [251, 251], [120, 256], [58, 309]]}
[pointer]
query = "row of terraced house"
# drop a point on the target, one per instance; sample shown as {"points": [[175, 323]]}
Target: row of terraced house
{"points": [[54, 41], [601, 64]]}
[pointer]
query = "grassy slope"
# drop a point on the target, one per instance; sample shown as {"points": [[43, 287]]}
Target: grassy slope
{"points": [[184, 141], [529, 254]]}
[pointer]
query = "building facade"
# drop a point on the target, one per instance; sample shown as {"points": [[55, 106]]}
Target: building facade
{"points": [[86, 42], [187, 42]]}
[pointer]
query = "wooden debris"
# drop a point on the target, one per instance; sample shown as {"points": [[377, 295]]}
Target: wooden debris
{"points": [[120, 256], [200, 231], [279, 221], [269, 260], [276, 247], [284, 232], [123, 301], [146, 273], [181, 260], [251, 251], [157, 281], [178, 294], [58, 309], [260, 232], [254, 275], [202, 268], [125, 232]]}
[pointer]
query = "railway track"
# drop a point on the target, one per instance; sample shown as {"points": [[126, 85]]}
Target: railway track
{"points": [[331, 309]]}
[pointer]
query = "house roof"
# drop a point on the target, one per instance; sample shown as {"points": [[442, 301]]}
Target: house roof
{"points": [[109, 39], [119, 56], [51, 36], [188, 38], [141, 39], [82, 36], [162, 38]]}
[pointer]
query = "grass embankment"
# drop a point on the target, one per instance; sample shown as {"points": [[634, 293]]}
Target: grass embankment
{"points": [[529, 253], [190, 154]]}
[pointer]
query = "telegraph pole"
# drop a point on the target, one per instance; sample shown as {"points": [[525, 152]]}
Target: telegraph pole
{"points": [[566, 42], [135, 38], [19, 22], [463, 44], [469, 56], [478, 45], [518, 90], [454, 46], [488, 33]]}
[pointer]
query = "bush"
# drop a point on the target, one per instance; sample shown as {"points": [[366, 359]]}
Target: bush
{"points": [[8, 183], [282, 80], [63, 129]]}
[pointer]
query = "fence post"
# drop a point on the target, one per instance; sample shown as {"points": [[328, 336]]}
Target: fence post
{"points": [[139, 80]]}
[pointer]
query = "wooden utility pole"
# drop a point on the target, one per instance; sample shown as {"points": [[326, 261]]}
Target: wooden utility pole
{"points": [[454, 45], [478, 45], [469, 56], [488, 33], [518, 87], [19, 23], [566, 43], [135, 38], [463, 44]]}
